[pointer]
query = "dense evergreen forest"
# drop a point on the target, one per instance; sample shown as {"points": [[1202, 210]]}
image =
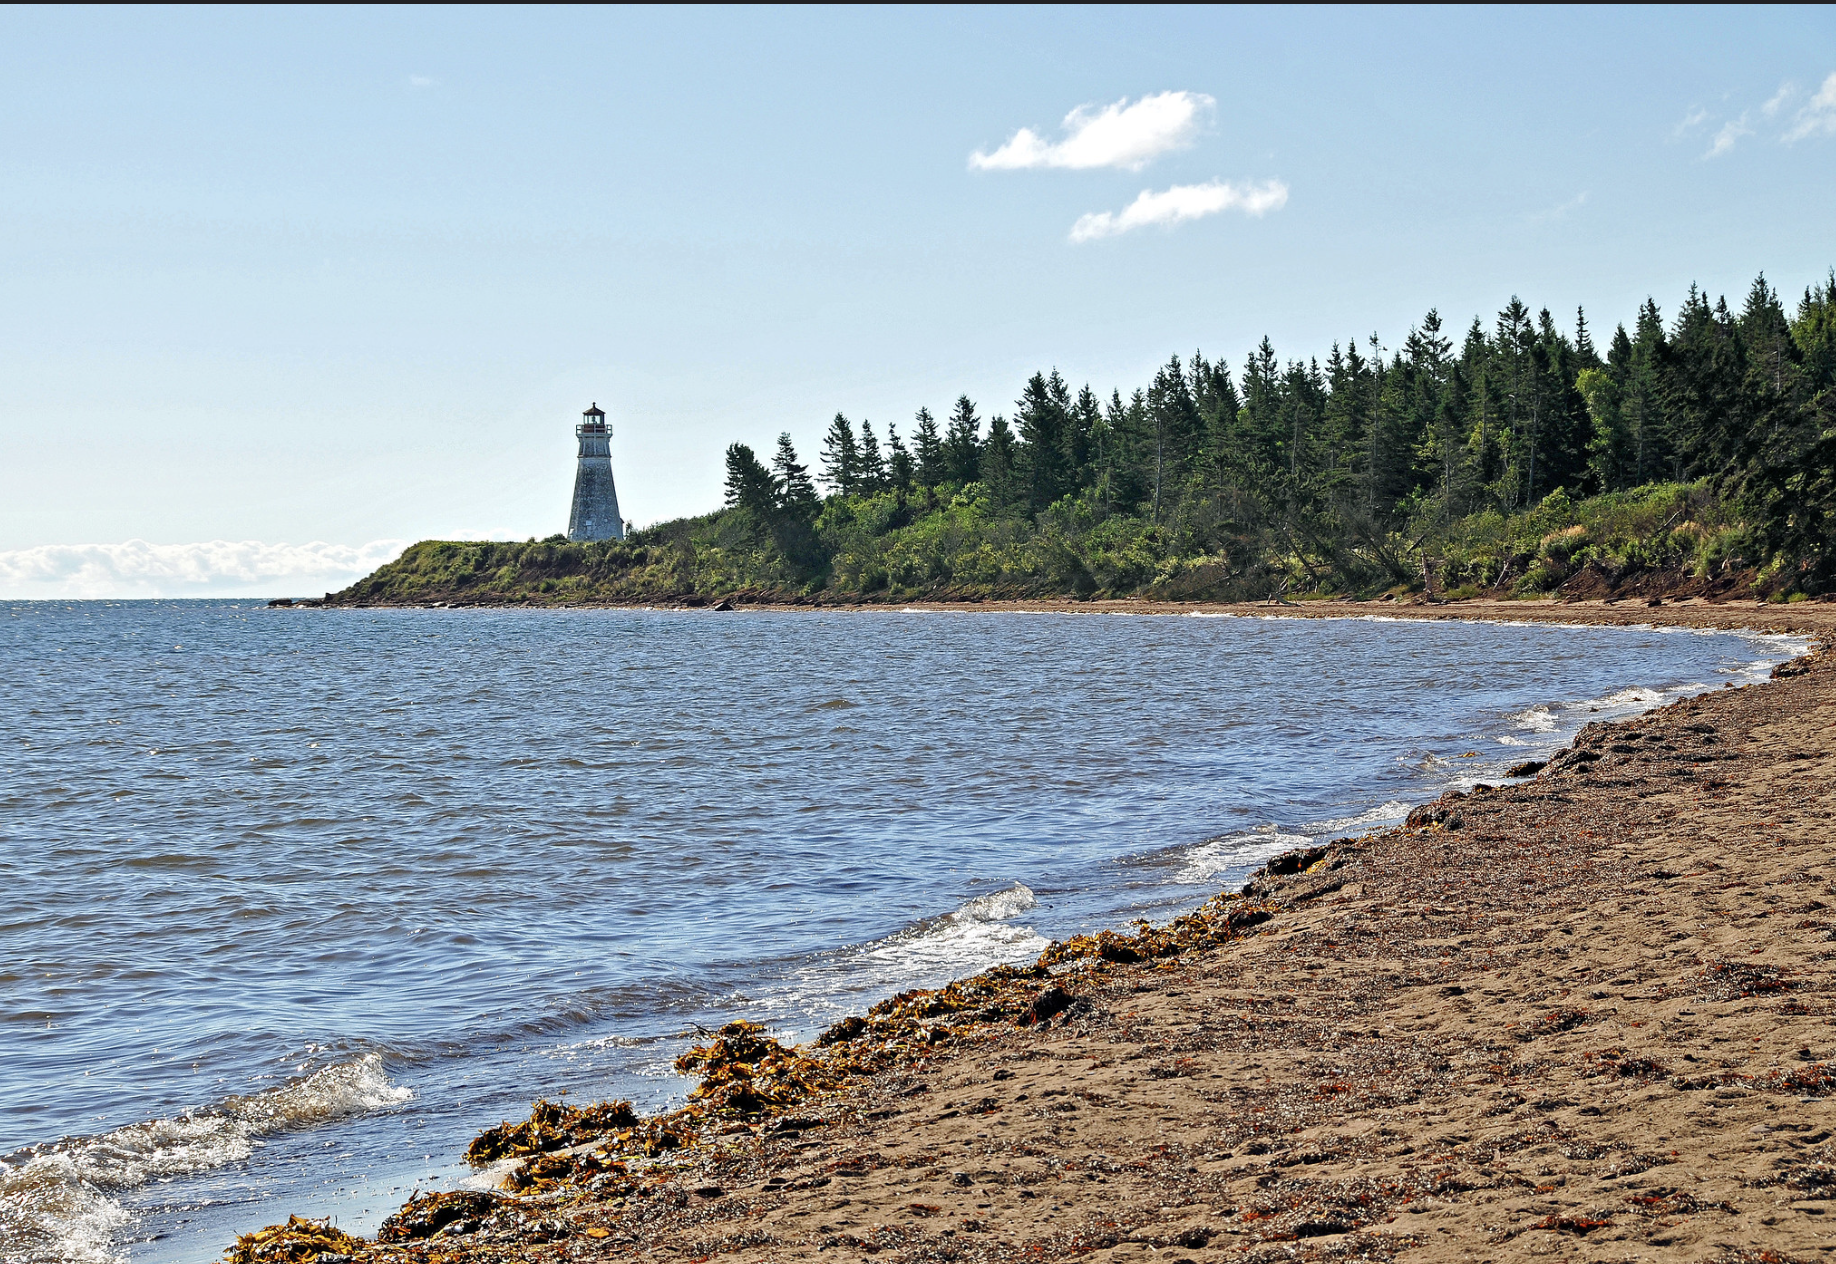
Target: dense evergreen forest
{"points": [[1696, 453]]}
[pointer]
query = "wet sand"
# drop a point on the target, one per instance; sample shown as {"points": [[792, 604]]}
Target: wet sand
{"points": [[1591, 1016]]}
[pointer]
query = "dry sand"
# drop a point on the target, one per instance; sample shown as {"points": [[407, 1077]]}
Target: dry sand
{"points": [[1591, 1017]]}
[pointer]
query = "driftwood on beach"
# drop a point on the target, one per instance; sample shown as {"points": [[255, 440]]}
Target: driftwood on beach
{"points": [[1590, 1015]]}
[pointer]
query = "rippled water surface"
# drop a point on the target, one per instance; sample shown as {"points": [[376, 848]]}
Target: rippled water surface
{"points": [[296, 901]]}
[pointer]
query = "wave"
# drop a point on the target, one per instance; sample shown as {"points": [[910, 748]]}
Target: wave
{"points": [[1390, 810], [1637, 696], [1550, 725], [57, 1202], [1536, 719], [973, 936], [1217, 856], [977, 934]]}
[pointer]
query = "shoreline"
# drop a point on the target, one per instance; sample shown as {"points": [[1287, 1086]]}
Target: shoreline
{"points": [[1273, 1089], [1696, 612]]}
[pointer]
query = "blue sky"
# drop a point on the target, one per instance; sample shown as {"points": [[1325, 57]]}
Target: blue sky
{"points": [[311, 281]]}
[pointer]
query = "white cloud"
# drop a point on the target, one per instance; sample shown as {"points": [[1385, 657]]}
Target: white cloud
{"points": [[1818, 117], [1694, 119], [1119, 135], [421, 81], [1778, 99], [1730, 132], [214, 568], [1181, 203]]}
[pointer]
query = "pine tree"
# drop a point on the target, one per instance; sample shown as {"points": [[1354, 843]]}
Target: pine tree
{"points": [[898, 461], [1264, 428], [1131, 479], [1175, 418], [1791, 483], [1082, 422], [841, 458], [1042, 425], [1646, 414], [1568, 426], [796, 491], [1587, 357], [872, 464], [1215, 395], [1000, 461], [1511, 341], [929, 450], [750, 485], [963, 442]]}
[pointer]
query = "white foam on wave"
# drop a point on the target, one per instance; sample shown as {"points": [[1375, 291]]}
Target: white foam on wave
{"points": [[975, 935], [1637, 696], [1390, 810], [1217, 856], [979, 933], [1536, 719], [56, 1200], [1546, 724]]}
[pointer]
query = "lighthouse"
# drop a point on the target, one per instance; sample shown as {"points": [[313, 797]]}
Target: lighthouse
{"points": [[595, 515]]}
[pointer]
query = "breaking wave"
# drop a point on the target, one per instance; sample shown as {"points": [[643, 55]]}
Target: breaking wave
{"points": [[975, 935], [1218, 856], [978, 933], [57, 1202]]}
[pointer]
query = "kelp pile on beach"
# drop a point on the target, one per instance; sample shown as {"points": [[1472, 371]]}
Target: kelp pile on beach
{"points": [[749, 1085], [298, 1241], [550, 1126], [750, 1081]]}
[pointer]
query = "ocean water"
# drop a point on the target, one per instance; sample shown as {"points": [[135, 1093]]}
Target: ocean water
{"points": [[295, 902]]}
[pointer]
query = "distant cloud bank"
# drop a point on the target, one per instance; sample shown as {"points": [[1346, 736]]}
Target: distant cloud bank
{"points": [[1119, 135], [1181, 203], [213, 568]]}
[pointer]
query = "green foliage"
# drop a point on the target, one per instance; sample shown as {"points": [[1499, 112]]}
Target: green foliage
{"points": [[1680, 529], [1521, 461]]}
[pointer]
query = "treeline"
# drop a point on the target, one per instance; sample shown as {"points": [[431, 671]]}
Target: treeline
{"points": [[1345, 467], [1515, 458]]}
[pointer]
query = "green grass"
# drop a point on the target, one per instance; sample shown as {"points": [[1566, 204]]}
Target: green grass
{"points": [[950, 543]]}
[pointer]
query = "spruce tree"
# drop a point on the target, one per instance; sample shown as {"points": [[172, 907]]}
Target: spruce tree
{"points": [[1131, 452], [1042, 425], [750, 485], [841, 458], [963, 442], [1082, 422], [898, 461], [932, 468], [1584, 342], [1646, 413], [796, 491], [872, 464], [1000, 464]]}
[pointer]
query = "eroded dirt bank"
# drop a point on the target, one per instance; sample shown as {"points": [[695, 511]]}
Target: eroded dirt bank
{"points": [[1588, 1016]]}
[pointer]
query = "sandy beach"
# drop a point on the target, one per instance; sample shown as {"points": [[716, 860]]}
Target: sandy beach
{"points": [[1587, 1015]]}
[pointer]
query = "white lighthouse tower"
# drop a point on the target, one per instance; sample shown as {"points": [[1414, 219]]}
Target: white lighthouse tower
{"points": [[595, 515]]}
